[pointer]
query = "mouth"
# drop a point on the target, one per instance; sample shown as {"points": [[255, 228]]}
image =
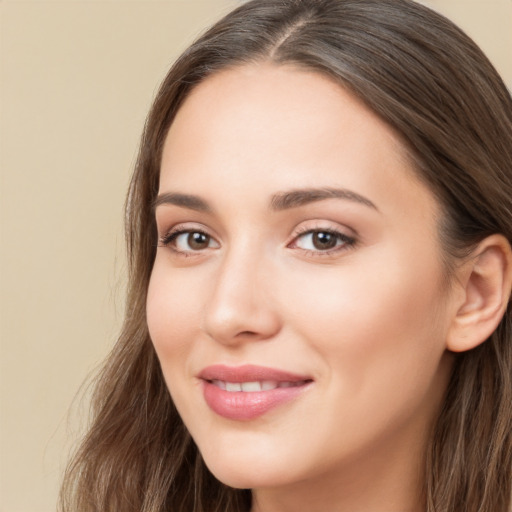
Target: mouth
{"points": [[256, 386], [247, 392]]}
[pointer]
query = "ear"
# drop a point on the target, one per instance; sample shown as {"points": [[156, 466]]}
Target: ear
{"points": [[486, 281]]}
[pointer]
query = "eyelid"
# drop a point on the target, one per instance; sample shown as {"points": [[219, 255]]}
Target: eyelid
{"points": [[171, 234], [349, 240]]}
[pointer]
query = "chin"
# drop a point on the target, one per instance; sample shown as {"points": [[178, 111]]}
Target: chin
{"points": [[240, 478], [241, 471]]}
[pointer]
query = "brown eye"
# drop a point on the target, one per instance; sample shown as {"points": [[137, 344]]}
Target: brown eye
{"points": [[188, 241], [198, 241], [323, 240]]}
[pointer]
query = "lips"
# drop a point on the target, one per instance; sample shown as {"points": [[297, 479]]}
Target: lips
{"points": [[247, 392]]}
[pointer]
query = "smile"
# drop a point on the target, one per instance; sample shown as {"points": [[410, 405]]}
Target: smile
{"points": [[247, 392], [255, 386]]}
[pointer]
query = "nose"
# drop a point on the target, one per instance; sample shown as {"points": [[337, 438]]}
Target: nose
{"points": [[242, 307]]}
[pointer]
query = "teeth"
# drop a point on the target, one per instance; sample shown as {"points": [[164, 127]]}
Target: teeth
{"points": [[219, 383], [267, 385], [255, 386], [233, 386], [251, 386]]}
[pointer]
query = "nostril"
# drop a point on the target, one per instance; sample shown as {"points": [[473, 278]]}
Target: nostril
{"points": [[247, 333]]}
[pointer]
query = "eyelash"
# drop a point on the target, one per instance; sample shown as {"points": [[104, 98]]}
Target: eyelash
{"points": [[168, 239], [347, 242]]}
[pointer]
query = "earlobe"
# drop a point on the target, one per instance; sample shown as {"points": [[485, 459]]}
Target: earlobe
{"points": [[486, 280]]}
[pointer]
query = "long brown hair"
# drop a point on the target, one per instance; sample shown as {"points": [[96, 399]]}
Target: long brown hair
{"points": [[433, 85]]}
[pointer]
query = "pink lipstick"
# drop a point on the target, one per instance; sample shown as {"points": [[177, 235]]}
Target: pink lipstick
{"points": [[247, 392]]}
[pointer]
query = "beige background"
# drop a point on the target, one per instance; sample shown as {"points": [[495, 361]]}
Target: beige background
{"points": [[77, 78]]}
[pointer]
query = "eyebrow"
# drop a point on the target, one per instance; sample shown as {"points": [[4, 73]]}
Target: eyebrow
{"points": [[184, 200], [280, 201], [301, 197]]}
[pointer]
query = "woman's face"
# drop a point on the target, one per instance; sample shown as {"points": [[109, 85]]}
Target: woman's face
{"points": [[297, 302]]}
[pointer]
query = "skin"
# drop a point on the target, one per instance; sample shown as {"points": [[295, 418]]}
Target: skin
{"points": [[367, 321]]}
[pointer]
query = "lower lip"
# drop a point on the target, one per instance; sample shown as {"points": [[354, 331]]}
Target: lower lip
{"points": [[240, 405]]}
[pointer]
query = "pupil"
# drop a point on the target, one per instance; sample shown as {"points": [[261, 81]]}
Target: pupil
{"points": [[197, 240], [324, 240]]}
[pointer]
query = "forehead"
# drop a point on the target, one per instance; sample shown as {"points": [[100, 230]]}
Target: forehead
{"points": [[276, 104], [281, 127]]}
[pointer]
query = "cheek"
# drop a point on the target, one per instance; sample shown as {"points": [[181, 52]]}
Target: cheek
{"points": [[381, 338], [172, 312], [376, 321]]}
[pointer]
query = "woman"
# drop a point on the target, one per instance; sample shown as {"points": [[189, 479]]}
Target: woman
{"points": [[318, 316]]}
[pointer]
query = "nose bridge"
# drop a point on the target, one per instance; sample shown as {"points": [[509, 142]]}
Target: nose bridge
{"points": [[240, 306]]}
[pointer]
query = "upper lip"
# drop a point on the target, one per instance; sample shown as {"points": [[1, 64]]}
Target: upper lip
{"points": [[248, 373]]}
